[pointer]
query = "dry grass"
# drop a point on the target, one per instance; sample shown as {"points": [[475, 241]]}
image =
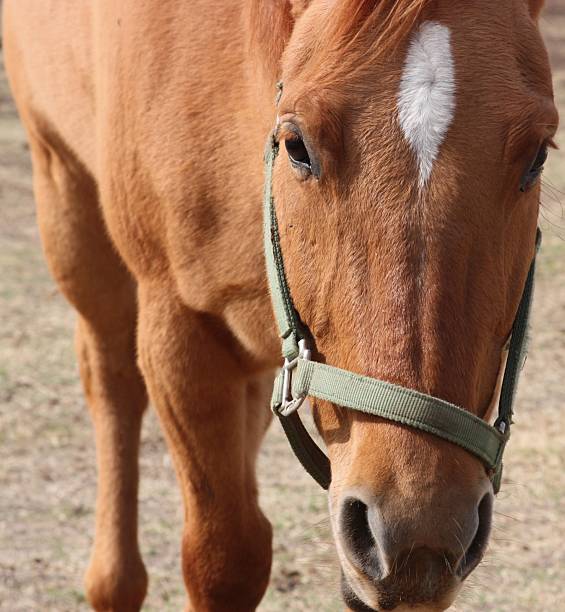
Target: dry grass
{"points": [[47, 476]]}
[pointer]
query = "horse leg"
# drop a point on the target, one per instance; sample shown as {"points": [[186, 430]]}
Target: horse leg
{"points": [[92, 277], [214, 416], [116, 579]]}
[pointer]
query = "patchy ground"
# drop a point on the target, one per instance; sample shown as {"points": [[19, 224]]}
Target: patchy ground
{"points": [[47, 477]]}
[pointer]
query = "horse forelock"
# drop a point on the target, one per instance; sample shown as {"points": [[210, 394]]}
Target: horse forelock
{"points": [[362, 28], [386, 22], [338, 44]]}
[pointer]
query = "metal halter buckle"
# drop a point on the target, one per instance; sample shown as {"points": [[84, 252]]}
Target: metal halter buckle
{"points": [[289, 403], [501, 424]]}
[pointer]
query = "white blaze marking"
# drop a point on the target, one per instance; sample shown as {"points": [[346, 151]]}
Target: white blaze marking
{"points": [[426, 99]]}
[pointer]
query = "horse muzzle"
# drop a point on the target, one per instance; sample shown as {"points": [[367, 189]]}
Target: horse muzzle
{"points": [[389, 560]]}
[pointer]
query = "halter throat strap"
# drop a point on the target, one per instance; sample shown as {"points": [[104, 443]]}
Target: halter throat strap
{"points": [[301, 376]]}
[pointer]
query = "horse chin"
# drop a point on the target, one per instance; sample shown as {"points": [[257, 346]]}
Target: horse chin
{"points": [[356, 604]]}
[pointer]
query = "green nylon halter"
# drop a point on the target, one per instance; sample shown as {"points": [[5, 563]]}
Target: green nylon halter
{"points": [[301, 376]]}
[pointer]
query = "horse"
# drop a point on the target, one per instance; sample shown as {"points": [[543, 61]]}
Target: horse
{"points": [[412, 135]]}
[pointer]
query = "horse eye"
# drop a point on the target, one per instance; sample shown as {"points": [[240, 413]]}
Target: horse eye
{"points": [[535, 169], [297, 152]]}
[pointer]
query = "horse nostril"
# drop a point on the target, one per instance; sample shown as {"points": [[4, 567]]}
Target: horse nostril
{"points": [[387, 549], [358, 538], [478, 546]]}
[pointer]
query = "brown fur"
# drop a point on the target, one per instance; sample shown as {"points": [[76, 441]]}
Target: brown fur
{"points": [[147, 123]]}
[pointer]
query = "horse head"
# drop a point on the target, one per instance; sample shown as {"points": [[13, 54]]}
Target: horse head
{"points": [[412, 138]]}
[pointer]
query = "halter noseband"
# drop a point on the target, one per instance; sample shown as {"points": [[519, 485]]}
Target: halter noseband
{"points": [[301, 376]]}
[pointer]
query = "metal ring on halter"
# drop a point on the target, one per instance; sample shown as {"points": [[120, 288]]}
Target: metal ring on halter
{"points": [[501, 424], [289, 403]]}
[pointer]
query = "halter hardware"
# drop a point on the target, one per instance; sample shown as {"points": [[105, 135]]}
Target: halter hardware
{"points": [[289, 403], [301, 376]]}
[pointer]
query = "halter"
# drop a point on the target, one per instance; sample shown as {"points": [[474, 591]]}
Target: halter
{"points": [[301, 376]]}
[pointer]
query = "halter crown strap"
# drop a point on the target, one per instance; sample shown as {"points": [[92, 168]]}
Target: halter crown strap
{"points": [[301, 376]]}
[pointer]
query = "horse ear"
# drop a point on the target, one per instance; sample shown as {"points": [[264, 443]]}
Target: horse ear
{"points": [[270, 25], [536, 7], [298, 7]]}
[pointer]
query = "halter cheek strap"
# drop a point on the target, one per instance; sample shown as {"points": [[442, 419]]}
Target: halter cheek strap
{"points": [[301, 376]]}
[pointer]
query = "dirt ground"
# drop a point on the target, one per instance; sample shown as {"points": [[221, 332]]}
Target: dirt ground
{"points": [[47, 476]]}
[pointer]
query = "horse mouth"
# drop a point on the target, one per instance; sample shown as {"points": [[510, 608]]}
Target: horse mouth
{"points": [[395, 601]]}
